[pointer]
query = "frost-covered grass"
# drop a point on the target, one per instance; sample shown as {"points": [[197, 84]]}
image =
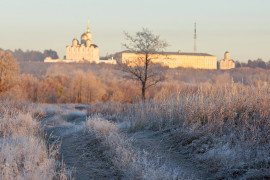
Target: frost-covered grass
{"points": [[225, 125], [18, 125], [134, 164], [24, 153]]}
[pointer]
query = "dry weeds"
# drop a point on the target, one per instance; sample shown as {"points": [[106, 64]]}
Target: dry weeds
{"points": [[23, 151]]}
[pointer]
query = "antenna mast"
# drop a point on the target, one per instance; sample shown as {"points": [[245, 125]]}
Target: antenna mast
{"points": [[195, 38]]}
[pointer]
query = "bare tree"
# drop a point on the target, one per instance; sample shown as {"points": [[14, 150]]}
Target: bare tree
{"points": [[146, 46]]}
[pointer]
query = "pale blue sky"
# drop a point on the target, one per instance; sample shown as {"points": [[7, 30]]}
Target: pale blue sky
{"points": [[239, 26]]}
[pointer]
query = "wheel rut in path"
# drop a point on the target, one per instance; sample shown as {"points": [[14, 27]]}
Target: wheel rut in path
{"points": [[160, 144], [82, 153]]}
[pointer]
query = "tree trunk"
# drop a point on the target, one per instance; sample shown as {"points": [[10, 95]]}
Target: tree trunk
{"points": [[145, 77], [143, 92]]}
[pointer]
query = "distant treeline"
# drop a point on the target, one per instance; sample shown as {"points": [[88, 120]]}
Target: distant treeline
{"points": [[30, 55], [259, 63]]}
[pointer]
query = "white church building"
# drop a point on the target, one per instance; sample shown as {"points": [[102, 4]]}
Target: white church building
{"points": [[85, 51]]}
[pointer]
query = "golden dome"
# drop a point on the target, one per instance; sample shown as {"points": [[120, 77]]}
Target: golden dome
{"points": [[74, 42], [84, 36]]}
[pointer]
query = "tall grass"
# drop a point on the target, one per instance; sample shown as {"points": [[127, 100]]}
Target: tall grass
{"points": [[226, 124], [235, 105], [24, 153]]}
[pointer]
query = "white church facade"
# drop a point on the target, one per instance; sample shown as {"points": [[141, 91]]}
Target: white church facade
{"points": [[85, 51], [226, 63]]}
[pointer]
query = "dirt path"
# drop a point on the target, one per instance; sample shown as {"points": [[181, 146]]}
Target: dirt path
{"points": [[159, 144], [85, 155], [82, 153]]}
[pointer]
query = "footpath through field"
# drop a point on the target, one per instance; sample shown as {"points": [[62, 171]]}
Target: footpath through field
{"points": [[160, 145], [82, 153], [85, 154]]}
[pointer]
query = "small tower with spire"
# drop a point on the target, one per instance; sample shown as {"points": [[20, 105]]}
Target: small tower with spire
{"points": [[86, 36], [195, 38]]}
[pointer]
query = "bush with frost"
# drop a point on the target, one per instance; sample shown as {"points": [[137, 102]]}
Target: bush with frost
{"points": [[23, 151]]}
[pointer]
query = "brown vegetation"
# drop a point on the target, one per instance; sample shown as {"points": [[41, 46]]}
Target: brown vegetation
{"points": [[90, 83], [8, 72]]}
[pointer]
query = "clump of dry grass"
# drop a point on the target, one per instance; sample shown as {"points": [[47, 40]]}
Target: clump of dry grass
{"points": [[26, 158], [19, 125], [23, 151]]}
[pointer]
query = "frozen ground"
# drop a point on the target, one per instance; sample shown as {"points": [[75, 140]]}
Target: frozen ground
{"points": [[159, 144], [88, 157], [81, 151]]}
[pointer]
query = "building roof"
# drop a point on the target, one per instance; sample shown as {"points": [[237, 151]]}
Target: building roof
{"points": [[94, 45], [188, 53], [173, 53]]}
